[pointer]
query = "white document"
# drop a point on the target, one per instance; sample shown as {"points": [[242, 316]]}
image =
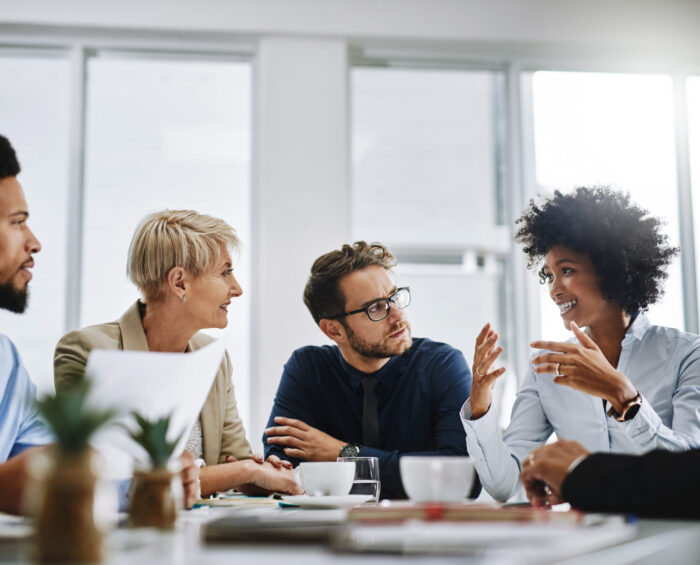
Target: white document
{"points": [[154, 385], [494, 542]]}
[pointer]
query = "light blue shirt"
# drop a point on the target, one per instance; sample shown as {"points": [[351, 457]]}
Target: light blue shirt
{"points": [[664, 366], [20, 424]]}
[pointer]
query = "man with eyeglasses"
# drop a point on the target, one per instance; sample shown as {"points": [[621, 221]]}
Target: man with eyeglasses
{"points": [[377, 392]]}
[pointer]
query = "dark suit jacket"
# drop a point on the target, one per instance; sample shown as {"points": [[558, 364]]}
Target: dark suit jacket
{"points": [[659, 484]]}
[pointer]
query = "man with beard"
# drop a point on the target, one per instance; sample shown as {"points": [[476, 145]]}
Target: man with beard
{"points": [[20, 425], [377, 392]]}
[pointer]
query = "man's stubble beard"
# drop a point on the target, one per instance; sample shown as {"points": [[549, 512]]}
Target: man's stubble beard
{"points": [[378, 350]]}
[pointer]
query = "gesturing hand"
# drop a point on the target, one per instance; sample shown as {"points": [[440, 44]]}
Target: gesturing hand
{"points": [[545, 469], [483, 379], [584, 367], [303, 441]]}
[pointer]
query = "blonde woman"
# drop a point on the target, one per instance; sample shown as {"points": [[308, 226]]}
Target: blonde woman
{"points": [[181, 262]]}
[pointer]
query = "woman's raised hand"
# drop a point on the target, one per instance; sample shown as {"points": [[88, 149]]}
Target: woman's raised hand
{"points": [[582, 366], [485, 353]]}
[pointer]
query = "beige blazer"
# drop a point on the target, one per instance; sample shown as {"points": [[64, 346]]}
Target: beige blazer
{"points": [[222, 429]]}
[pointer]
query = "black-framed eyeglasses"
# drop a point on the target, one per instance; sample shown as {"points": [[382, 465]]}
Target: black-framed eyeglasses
{"points": [[379, 309]]}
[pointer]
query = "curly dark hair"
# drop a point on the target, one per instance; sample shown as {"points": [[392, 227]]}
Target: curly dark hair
{"points": [[628, 251], [322, 296], [9, 166]]}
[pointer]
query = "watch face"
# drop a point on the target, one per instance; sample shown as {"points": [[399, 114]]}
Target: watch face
{"points": [[632, 412], [350, 450]]}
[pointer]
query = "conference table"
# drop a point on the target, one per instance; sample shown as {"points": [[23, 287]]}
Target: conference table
{"points": [[606, 541]]}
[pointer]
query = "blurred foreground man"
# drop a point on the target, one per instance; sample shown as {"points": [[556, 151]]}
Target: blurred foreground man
{"points": [[20, 425], [377, 392], [658, 484]]}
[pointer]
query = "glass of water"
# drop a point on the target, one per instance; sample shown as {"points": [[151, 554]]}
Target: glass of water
{"points": [[366, 476]]}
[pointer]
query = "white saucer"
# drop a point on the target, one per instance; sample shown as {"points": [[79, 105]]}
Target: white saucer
{"points": [[306, 501]]}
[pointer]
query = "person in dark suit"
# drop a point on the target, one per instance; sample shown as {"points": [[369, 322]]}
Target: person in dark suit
{"points": [[658, 484]]}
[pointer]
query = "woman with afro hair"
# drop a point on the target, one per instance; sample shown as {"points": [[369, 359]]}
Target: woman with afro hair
{"points": [[619, 384]]}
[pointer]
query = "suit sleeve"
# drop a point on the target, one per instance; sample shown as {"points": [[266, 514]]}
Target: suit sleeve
{"points": [[69, 360], [233, 438], [659, 484], [293, 400], [450, 385]]}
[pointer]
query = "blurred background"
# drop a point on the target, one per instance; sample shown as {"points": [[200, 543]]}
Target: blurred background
{"points": [[424, 124]]}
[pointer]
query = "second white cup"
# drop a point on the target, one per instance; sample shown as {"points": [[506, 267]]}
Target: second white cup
{"points": [[436, 479], [326, 478]]}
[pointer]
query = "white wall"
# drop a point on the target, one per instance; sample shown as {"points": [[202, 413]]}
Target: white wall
{"points": [[667, 25], [302, 197]]}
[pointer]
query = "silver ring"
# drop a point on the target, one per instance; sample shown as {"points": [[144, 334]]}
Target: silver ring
{"points": [[479, 372], [556, 370]]}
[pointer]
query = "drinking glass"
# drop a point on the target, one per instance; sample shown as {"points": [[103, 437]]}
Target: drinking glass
{"points": [[366, 476]]}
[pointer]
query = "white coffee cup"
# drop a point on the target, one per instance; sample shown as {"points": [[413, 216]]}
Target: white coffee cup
{"points": [[326, 478], [436, 479]]}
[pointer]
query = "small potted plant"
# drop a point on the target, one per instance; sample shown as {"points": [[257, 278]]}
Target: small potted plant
{"points": [[65, 528], [151, 500]]}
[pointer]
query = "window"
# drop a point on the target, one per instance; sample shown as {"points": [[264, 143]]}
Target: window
{"points": [[34, 102], [162, 131], [609, 129], [693, 97], [426, 181]]}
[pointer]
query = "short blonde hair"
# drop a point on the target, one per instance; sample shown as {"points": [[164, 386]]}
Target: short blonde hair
{"points": [[175, 238]]}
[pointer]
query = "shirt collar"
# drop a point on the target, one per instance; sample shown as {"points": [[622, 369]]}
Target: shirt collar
{"points": [[356, 375], [131, 327], [638, 328]]}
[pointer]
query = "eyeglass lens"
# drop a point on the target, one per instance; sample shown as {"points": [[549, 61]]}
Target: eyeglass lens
{"points": [[380, 309]]}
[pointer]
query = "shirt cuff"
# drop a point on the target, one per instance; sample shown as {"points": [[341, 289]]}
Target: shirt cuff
{"points": [[644, 426], [366, 451], [482, 435], [575, 463], [487, 422]]}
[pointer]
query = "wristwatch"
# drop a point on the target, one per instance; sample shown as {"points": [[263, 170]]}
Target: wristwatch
{"points": [[350, 450], [629, 410]]}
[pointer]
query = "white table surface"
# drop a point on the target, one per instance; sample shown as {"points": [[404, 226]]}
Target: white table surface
{"points": [[665, 542]]}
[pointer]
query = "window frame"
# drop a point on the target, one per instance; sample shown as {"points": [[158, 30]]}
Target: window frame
{"points": [[518, 177]]}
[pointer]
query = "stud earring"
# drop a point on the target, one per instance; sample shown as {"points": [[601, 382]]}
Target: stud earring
{"points": [[183, 299]]}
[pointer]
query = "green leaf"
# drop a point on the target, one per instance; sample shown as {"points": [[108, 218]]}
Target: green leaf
{"points": [[152, 436], [72, 422]]}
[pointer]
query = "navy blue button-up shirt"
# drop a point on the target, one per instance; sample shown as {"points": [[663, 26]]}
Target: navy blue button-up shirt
{"points": [[420, 393]]}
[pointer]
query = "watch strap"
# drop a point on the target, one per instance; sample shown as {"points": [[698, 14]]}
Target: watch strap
{"points": [[629, 410]]}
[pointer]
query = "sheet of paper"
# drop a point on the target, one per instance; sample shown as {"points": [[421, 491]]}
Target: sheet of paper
{"points": [[154, 385], [520, 542]]}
